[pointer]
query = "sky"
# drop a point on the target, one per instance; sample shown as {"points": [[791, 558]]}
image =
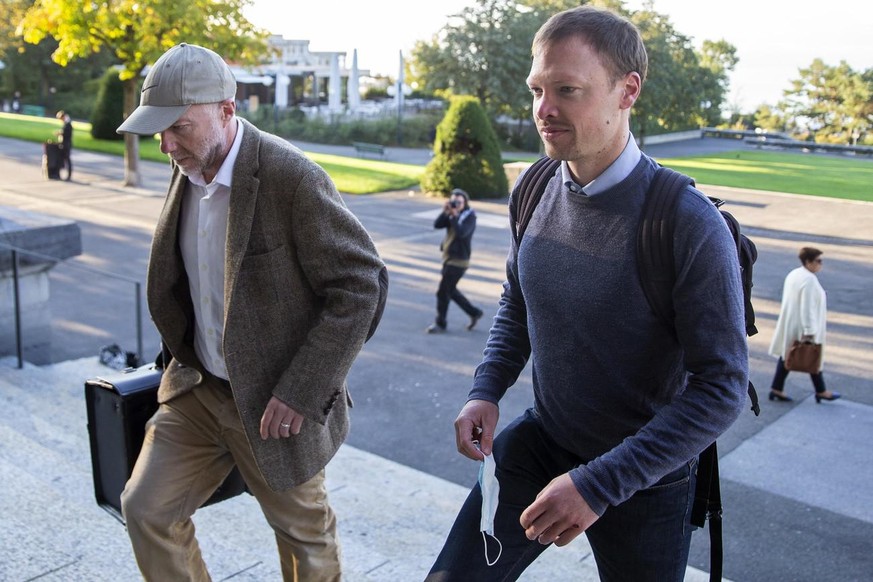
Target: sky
{"points": [[774, 38]]}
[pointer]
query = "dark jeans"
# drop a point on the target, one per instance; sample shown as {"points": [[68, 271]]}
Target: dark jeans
{"points": [[66, 162], [448, 291], [645, 538], [778, 383]]}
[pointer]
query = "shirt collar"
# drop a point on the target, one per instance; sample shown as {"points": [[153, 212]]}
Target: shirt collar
{"points": [[225, 172], [615, 173], [224, 176]]}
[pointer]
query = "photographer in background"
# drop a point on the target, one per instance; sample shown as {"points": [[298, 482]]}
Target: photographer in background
{"points": [[459, 220]]}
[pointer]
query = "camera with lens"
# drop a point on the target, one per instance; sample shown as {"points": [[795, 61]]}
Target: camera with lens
{"points": [[454, 203]]}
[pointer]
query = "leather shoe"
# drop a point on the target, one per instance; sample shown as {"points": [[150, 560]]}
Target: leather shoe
{"points": [[473, 321], [780, 396], [434, 328], [823, 396]]}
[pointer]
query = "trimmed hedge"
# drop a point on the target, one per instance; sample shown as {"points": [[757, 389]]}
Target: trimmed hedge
{"points": [[108, 111], [466, 153]]}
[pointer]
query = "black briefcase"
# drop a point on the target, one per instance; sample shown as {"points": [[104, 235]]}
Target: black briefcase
{"points": [[119, 406], [52, 161]]}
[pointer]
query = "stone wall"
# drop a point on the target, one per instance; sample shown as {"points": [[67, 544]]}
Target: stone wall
{"points": [[40, 242]]}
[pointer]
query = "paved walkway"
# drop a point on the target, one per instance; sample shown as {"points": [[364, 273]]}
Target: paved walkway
{"points": [[796, 481]]}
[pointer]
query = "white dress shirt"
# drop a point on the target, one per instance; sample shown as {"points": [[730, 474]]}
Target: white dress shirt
{"points": [[203, 238]]}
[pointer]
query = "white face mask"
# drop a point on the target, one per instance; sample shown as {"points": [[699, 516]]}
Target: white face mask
{"points": [[490, 494]]}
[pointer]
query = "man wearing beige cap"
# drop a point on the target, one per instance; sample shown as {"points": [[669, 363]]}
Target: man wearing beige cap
{"points": [[263, 286]]}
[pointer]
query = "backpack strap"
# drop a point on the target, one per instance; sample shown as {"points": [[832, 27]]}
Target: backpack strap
{"points": [[655, 265], [747, 254], [707, 506], [527, 194], [753, 396]]}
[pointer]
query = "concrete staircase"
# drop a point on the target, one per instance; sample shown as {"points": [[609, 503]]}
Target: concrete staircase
{"points": [[392, 519]]}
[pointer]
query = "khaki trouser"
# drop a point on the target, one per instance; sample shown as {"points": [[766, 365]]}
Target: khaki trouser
{"points": [[191, 445]]}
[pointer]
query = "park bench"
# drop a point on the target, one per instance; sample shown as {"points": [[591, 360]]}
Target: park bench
{"points": [[37, 110], [369, 148]]}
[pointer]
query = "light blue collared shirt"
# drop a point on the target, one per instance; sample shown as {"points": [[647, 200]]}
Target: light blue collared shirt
{"points": [[615, 173]]}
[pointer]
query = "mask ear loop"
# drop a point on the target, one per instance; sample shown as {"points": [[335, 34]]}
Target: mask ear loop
{"points": [[499, 551], [485, 539]]}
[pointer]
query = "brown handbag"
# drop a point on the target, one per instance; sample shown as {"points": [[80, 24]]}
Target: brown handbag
{"points": [[804, 357]]}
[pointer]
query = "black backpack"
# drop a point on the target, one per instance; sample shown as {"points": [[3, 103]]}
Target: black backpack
{"points": [[655, 266]]}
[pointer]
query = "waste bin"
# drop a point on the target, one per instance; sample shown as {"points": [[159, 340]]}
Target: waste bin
{"points": [[52, 160]]}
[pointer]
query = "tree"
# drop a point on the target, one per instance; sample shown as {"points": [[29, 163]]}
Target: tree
{"points": [[484, 51], [31, 72], [108, 114], [834, 104], [13, 12], [684, 89], [769, 119], [137, 32], [717, 60], [466, 153]]}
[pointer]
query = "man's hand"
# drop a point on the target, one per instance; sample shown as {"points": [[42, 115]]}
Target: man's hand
{"points": [[476, 422], [279, 420], [558, 514]]}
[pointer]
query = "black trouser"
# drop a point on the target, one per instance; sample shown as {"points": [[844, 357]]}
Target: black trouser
{"points": [[778, 383], [644, 539], [448, 291], [67, 162]]}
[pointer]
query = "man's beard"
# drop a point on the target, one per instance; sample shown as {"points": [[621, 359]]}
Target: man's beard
{"points": [[203, 162]]}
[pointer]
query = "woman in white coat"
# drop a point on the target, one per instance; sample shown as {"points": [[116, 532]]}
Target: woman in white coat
{"points": [[803, 317]]}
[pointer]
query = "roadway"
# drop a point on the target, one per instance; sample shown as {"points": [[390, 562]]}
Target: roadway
{"points": [[795, 480]]}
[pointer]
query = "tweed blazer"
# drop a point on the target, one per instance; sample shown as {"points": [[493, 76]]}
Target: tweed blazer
{"points": [[300, 290]]}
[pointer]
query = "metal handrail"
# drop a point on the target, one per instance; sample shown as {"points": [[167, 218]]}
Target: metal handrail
{"points": [[17, 301]]}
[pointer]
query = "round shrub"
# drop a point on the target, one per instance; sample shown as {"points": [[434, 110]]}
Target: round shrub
{"points": [[108, 110], [466, 153]]}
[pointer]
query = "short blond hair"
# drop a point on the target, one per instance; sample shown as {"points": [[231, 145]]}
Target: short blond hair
{"points": [[614, 38]]}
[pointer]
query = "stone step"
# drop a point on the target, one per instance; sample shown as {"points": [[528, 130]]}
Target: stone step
{"points": [[48, 536], [392, 519], [47, 406]]}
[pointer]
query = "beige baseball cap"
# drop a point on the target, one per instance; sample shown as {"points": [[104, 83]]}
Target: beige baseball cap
{"points": [[185, 75]]}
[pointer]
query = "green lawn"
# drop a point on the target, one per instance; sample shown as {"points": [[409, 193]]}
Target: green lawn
{"points": [[351, 175], [799, 173], [359, 176], [796, 173]]}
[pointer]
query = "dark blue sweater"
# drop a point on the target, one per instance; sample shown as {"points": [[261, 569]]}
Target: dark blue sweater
{"points": [[633, 398]]}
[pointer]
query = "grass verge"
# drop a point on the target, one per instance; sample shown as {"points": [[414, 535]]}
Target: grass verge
{"points": [[794, 172], [798, 173], [351, 175]]}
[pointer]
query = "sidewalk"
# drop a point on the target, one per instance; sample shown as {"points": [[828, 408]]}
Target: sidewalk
{"points": [[795, 479]]}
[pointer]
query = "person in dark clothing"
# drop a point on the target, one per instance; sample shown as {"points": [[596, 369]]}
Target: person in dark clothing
{"points": [[66, 137], [459, 220], [624, 402]]}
